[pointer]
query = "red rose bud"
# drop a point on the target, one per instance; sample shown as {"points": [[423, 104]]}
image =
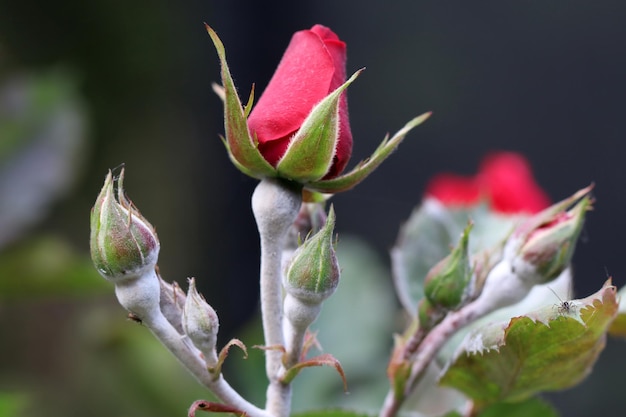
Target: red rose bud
{"points": [[123, 243], [200, 323], [447, 284], [548, 239], [312, 67], [313, 272], [505, 180], [299, 130]]}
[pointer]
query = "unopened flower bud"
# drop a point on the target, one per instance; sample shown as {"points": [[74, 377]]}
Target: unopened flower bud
{"points": [[546, 241], [538, 251], [313, 272], [448, 283], [172, 302], [124, 245], [200, 323]]}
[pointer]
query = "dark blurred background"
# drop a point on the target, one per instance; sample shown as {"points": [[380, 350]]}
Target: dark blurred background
{"points": [[543, 78]]}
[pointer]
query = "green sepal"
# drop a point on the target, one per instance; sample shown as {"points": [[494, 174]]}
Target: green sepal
{"points": [[248, 108], [242, 149], [312, 150], [313, 272], [367, 166]]}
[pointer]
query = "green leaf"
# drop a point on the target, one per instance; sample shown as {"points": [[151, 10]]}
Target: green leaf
{"points": [[47, 266], [534, 407], [332, 413], [366, 167], [43, 133], [550, 349], [242, 150], [312, 149], [13, 404], [618, 327], [424, 240]]}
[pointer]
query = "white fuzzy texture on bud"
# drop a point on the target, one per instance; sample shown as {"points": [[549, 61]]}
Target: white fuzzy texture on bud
{"points": [[299, 313], [200, 323], [172, 303], [140, 295]]}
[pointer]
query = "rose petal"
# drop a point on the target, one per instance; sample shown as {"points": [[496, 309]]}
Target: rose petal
{"points": [[509, 183], [453, 190], [302, 79]]}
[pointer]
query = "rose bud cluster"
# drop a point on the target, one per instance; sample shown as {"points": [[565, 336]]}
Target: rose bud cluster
{"points": [[537, 240], [299, 130], [124, 249]]}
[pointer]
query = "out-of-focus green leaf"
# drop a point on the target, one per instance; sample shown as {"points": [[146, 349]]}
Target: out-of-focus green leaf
{"points": [[42, 139], [332, 413], [428, 236], [550, 349], [618, 327], [47, 266], [534, 407], [12, 404], [424, 240]]}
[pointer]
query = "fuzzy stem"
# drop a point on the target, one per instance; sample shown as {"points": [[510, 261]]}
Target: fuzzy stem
{"points": [[391, 405], [427, 350], [141, 296], [298, 317], [171, 339], [275, 208]]}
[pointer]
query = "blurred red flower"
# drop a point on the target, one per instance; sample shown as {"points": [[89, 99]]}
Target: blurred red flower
{"points": [[504, 179]]}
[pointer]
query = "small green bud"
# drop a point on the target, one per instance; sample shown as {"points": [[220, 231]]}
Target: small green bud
{"points": [[200, 323], [124, 245], [313, 272], [447, 283]]}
